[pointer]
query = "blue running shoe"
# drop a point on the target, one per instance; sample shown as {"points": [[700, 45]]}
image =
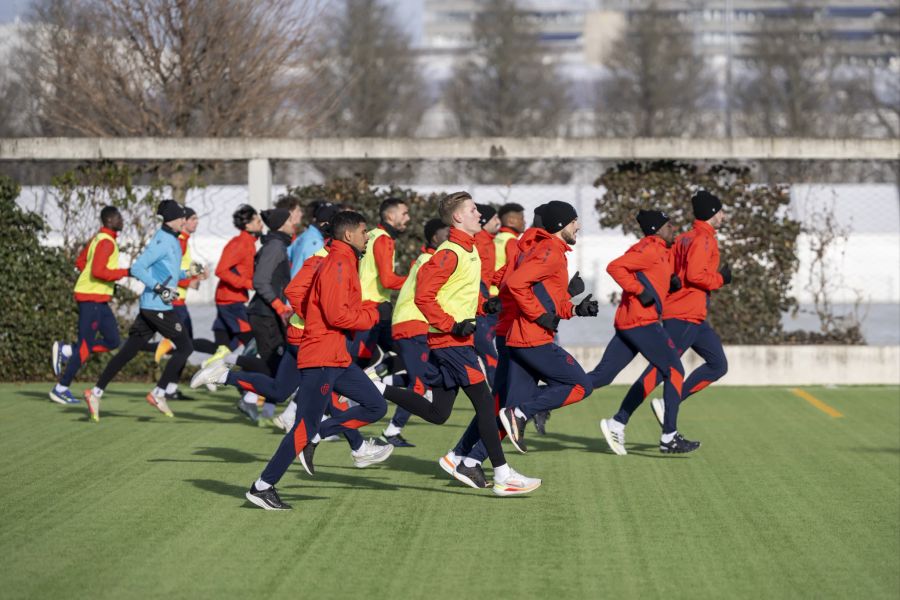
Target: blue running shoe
{"points": [[64, 397], [59, 359]]}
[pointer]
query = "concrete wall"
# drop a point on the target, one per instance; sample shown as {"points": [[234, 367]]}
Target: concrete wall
{"points": [[782, 365]]}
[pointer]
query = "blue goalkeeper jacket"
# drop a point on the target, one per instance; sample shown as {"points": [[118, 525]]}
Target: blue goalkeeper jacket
{"points": [[159, 263]]}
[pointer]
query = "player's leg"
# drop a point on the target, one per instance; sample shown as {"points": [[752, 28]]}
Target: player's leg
{"points": [[413, 353], [98, 331], [619, 352], [169, 325], [708, 345], [484, 346]]}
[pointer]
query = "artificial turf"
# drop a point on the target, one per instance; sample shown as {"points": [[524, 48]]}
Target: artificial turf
{"points": [[782, 501]]}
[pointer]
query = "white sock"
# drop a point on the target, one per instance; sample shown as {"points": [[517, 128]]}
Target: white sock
{"points": [[392, 429], [667, 437], [231, 358], [519, 413], [60, 388], [471, 462], [501, 473], [615, 425], [316, 439], [388, 380], [261, 485], [97, 392], [250, 398], [171, 388], [66, 350], [291, 410], [158, 392], [223, 377], [381, 387]]}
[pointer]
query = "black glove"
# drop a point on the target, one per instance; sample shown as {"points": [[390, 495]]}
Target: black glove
{"points": [[587, 307], [674, 283], [167, 295], [646, 297], [725, 272], [491, 306], [463, 328], [548, 321], [576, 285], [384, 311]]}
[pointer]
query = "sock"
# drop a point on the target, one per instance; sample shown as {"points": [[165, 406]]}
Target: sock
{"points": [[261, 485], [232, 356], [613, 424], [60, 388], [519, 413], [388, 380], [471, 462], [381, 387], [171, 388], [356, 451], [97, 391], [158, 392], [501, 473], [223, 378], [392, 429], [268, 410], [291, 410], [316, 439], [66, 350], [250, 398], [667, 437]]}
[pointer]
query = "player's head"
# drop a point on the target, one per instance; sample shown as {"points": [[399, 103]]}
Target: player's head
{"points": [[512, 215], [191, 221], [538, 220], [172, 214], [394, 212], [458, 210], [489, 220], [708, 207], [247, 219], [111, 218], [656, 222], [292, 204], [278, 219], [324, 215], [350, 227], [436, 233], [560, 219]]}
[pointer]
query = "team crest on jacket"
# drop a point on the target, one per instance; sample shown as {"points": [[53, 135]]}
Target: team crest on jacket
{"points": [[178, 327], [324, 389]]}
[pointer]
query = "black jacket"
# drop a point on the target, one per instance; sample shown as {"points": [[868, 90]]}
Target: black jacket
{"points": [[271, 273]]}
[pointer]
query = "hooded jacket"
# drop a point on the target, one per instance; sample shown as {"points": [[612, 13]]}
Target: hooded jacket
{"points": [[271, 273], [647, 264], [695, 255], [235, 269]]}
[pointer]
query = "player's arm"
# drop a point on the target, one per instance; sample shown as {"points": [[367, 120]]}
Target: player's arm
{"points": [[429, 280], [81, 261], [531, 273], [297, 290], [699, 272], [141, 267], [228, 268], [99, 268], [624, 268], [383, 249], [339, 309]]}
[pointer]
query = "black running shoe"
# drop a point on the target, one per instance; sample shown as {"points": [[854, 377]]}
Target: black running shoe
{"points": [[178, 396], [678, 445], [540, 421], [515, 428], [306, 458], [267, 499], [471, 476], [397, 440]]}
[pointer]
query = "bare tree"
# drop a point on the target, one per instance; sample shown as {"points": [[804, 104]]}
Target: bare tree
{"points": [[167, 67], [368, 66], [657, 81], [509, 86]]}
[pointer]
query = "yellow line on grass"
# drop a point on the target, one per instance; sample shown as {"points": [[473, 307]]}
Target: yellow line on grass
{"points": [[828, 410]]}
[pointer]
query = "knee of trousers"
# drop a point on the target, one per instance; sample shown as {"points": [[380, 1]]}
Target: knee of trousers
{"points": [[586, 385], [184, 349], [378, 410], [720, 367]]}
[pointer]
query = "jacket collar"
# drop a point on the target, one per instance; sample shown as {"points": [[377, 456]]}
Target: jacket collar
{"points": [[461, 238], [704, 227], [426, 249], [170, 231], [542, 234], [505, 229], [277, 235], [655, 239], [342, 248], [390, 230], [109, 232], [484, 235], [247, 237], [184, 236]]}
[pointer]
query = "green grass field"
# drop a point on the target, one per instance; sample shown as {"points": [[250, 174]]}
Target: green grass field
{"points": [[782, 501]]}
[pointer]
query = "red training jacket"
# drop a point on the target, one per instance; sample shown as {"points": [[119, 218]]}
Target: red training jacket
{"points": [[297, 293], [333, 309], [99, 269], [383, 250], [235, 269], [546, 264], [696, 259], [646, 262], [509, 310]]}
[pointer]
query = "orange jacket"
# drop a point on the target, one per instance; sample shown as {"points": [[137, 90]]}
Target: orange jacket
{"points": [[696, 259], [539, 284], [509, 310], [484, 242], [383, 251], [297, 293], [333, 309], [99, 269], [648, 263], [235, 269]]}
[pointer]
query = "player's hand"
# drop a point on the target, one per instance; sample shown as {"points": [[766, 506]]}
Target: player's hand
{"points": [[725, 272], [196, 269], [674, 283], [167, 295], [548, 321], [646, 298], [576, 285], [587, 307], [491, 306], [385, 309], [463, 328]]}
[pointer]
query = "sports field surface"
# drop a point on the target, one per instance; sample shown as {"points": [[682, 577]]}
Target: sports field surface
{"points": [[790, 496]]}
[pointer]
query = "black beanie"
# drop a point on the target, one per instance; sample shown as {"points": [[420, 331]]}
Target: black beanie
{"points": [[325, 212], [538, 220], [431, 228], [706, 205], [169, 210], [651, 220], [555, 215], [189, 212], [487, 213], [275, 217]]}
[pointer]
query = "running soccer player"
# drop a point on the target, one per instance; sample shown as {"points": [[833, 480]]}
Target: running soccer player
{"points": [[486, 324], [313, 239], [645, 274], [159, 269], [539, 286], [98, 330], [697, 268]]}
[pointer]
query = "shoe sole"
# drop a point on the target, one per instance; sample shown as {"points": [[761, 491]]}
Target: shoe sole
{"points": [[468, 481], [509, 432], [61, 400], [668, 451], [55, 359], [95, 418], [259, 502], [660, 415], [152, 402], [310, 469], [514, 491], [607, 434], [372, 460], [447, 465]]}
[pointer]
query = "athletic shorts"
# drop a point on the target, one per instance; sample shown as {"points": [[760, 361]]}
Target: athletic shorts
{"points": [[232, 318], [457, 365]]}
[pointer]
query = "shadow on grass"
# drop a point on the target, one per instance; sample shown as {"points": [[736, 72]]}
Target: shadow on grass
{"points": [[223, 455], [342, 481], [236, 492], [883, 450]]}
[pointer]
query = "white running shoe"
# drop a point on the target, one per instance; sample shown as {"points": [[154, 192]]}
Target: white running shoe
{"points": [[160, 404], [515, 484], [220, 353], [448, 463], [210, 374], [284, 421], [615, 436], [372, 451], [659, 409]]}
